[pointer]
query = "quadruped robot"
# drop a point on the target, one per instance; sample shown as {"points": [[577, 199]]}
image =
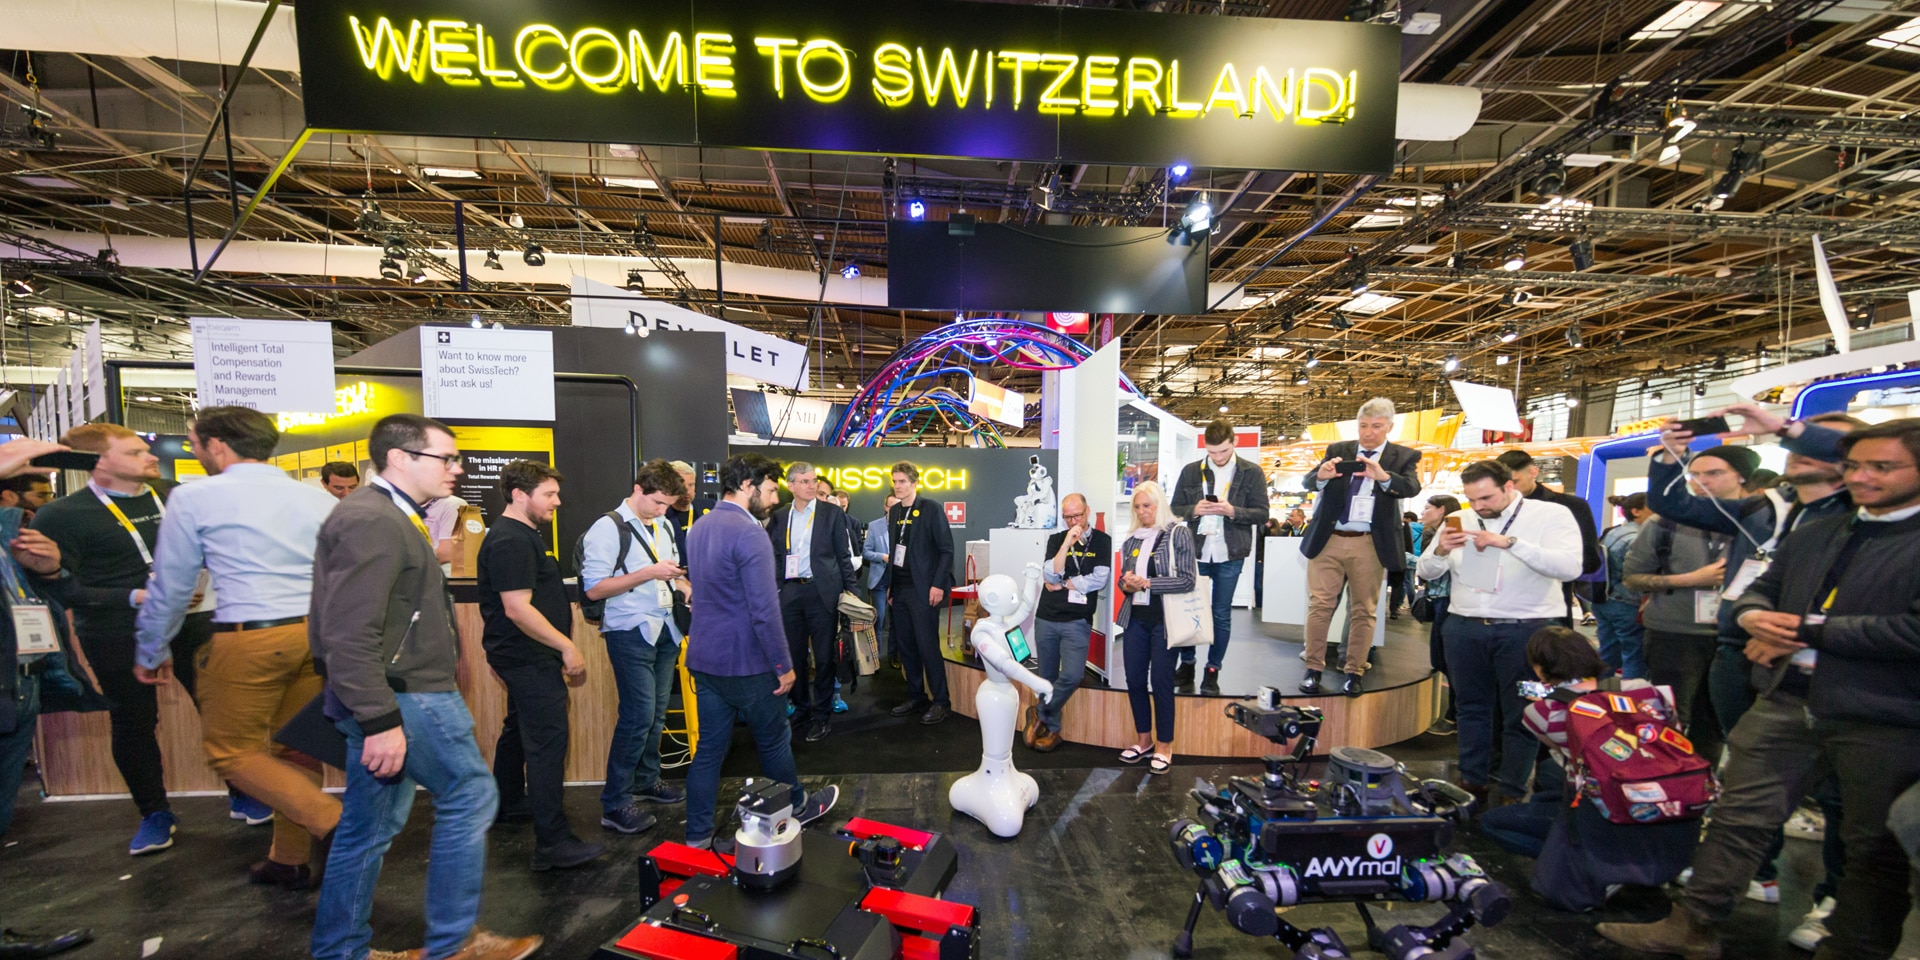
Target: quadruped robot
{"points": [[863, 890], [1366, 832]]}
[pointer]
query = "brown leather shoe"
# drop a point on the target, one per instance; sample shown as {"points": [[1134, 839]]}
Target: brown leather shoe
{"points": [[413, 954], [1683, 933], [287, 876], [491, 946], [1032, 734], [1047, 742]]}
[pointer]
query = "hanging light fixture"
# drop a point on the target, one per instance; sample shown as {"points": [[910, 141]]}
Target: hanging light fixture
{"points": [[1451, 363], [396, 248], [416, 274], [1574, 339], [390, 268], [493, 261], [1516, 256], [916, 209], [475, 322], [851, 271], [534, 255], [1311, 361], [1509, 333], [636, 280]]}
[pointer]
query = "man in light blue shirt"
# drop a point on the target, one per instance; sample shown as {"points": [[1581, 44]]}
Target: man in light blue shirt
{"points": [[253, 528], [643, 641]]}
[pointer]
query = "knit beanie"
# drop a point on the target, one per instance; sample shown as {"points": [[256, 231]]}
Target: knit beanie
{"points": [[1742, 459]]}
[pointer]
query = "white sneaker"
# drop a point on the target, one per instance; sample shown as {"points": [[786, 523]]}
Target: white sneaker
{"points": [[1763, 891], [1807, 824], [1685, 877], [1813, 927]]}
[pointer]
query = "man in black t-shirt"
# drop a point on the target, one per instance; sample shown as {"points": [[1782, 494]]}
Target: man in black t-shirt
{"points": [[529, 646], [1080, 561]]}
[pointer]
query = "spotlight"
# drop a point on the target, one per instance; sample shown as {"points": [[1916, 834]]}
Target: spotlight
{"points": [[1679, 125], [1223, 408], [1552, 181], [1177, 173], [1338, 322], [1459, 261], [1197, 219], [629, 329], [1450, 364], [1300, 379], [369, 218], [1719, 361], [1572, 402], [1507, 299], [396, 248], [1509, 333], [475, 322], [390, 268], [1699, 389], [497, 325], [1582, 252], [533, 255], [493, 260], [416, 274], [1312, 361], [517, 222], [1502, 360], [1831, 350], [1574, 339], [1360, 280], [851, 270], [1741, 163], [916, 209], [1166, 392], [636, 281], [1658, 396], [1516, 256]]}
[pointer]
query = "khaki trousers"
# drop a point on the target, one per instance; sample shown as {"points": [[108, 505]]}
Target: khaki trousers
{"points": [[252, 682], [1349, 562]]}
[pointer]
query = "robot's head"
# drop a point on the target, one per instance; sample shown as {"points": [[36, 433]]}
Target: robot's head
{"points": [[999, 594]]}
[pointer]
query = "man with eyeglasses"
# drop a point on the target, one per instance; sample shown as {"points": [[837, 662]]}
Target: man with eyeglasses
{"points": [[1080, 567], [253, 528], [1844, 596]]}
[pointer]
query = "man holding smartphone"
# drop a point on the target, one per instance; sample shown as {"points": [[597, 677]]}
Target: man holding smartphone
{"points": [[1353, 539], [1223, 499]]}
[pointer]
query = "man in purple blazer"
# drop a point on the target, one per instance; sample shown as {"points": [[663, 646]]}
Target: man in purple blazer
{"points": [[737, 649]]}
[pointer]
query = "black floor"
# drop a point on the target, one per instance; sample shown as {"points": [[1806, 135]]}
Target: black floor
{"points": [[1090, 876]]}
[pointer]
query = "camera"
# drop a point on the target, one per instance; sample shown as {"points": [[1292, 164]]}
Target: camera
{"points": [[1363, 831]]}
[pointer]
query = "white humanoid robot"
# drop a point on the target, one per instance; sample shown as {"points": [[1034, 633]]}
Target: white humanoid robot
{"points": [[997, 794], [1036, 510]]}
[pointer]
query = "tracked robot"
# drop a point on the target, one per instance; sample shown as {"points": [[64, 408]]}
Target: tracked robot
{"points": [[1365, 833]]}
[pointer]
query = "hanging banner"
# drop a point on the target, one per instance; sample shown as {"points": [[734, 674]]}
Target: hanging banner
{"points": [[96, 353], [928, 78], [76, 388], [273, 366], [750, 354], [997, 403], [469, 374], [60, 407]]}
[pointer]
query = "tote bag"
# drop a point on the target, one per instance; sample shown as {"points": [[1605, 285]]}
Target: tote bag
{"points": [[1190, 615]]}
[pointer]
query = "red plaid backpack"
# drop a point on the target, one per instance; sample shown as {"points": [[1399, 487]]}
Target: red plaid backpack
{"points": [[1628, 758]]}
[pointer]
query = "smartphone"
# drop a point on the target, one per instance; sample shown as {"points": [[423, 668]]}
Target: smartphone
{"points": [[1451, 522], [1705, 426], [67, 460], [1350, 466], [1210, 498], [1534, 690]]}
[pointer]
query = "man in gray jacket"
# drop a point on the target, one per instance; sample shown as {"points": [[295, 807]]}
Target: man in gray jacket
{"points": [[1222, 497], [382, 633]]}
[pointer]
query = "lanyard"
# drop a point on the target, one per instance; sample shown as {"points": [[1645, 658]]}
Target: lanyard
{"points": [[139, 542], [900, 526], [1830, 584], [1518, 505], [412, 510], [652, 531]]}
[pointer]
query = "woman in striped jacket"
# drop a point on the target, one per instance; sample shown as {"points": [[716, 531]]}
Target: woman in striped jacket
{"points": [[1157, 560]]}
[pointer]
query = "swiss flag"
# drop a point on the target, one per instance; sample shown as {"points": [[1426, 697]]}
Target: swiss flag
{"points": [[956, 514]]}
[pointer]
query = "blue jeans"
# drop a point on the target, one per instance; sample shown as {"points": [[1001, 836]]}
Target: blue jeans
{"points": [[15, 746], [1149, 665], [1521, 828], [644, 674], [1225, 577], [442, 757], [1063, 662], [1485, 662], [721, 701], [1622, 641]]}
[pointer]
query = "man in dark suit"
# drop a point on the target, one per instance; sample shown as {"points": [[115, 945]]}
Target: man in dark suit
{"points": [[920, 556], [688, 508], [381, 629], [810, 543], [1353, 540], [737, 649], [1223, 498], [1526, 479]]}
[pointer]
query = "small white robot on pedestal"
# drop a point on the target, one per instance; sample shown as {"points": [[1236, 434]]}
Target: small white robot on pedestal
{"points": [[997, 794]]}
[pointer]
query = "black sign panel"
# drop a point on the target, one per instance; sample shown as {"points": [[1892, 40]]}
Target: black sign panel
{"points": [[907, 78], [1000, 266]]}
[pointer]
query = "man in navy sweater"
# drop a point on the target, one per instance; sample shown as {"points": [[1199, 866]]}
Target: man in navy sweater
{"points": [[738, 652]]}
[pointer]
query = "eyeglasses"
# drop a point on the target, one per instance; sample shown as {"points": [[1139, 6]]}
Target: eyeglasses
{"points": [[1876, 468], [452, 460], [1073, 517]]}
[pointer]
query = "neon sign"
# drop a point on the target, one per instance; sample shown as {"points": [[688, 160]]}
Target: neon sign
{"points": [[856, 479], [351, 400], [931, 78]]}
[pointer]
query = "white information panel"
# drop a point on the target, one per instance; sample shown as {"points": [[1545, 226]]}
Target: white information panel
{"points": [[96, 372], [273, 366], [76, 389], [470, 374], [750, 353]]}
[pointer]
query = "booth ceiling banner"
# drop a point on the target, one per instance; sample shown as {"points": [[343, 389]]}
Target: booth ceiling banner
{"points": [[750, 354], [273, 366], [910, 79], [468, 374]]}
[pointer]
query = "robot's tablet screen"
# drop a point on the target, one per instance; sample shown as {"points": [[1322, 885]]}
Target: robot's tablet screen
{"points": [[1017, 642]]}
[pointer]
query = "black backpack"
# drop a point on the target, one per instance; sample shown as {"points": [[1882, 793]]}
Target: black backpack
{"points": [[593, 610]]}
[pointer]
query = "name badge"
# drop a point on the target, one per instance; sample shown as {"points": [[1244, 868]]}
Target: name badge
{"points": [[33, 630], [1706, 606], [1211, 525], [1360, 509], [793, 566], [1141, 599], [664, 592], [1075, 596], [1750, 570], [900, 555]]}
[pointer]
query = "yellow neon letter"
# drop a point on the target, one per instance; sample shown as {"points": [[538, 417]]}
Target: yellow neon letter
{"points": [[590, 38], [1019, 63], [539, 35], [673, 59], [776, 47], [713, 63], [446, 45], [1176, 106], [1050, 99], [1226, 89], [1142, 85], [1097, 77], [380, 47], [893, 74], [489, 61], [824, 92], [1278, 97], [947, 68], [1334, 84]]}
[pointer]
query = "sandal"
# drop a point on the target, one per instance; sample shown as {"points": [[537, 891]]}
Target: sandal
{"points": [[1161, 763], [1132, 755]]}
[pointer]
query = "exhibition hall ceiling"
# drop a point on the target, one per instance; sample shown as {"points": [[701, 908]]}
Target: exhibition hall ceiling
{"points": [[1570, 232]]}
